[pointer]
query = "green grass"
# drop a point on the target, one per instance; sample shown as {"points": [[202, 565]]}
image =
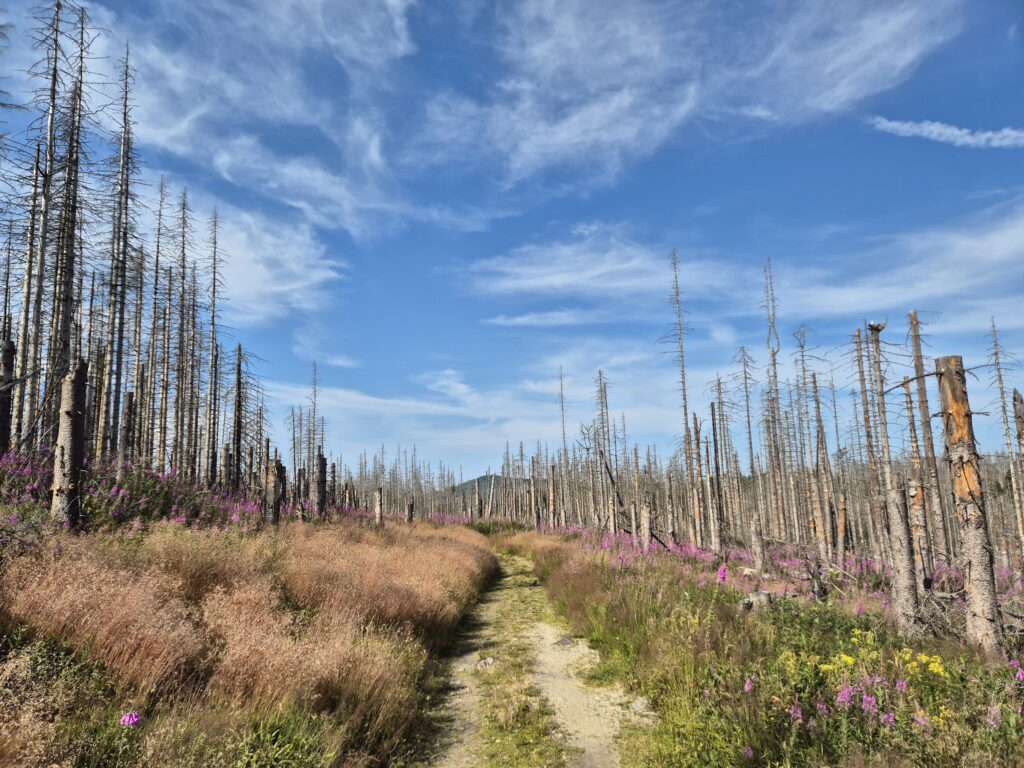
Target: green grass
{"points": [[690, 650], [519, 727]]}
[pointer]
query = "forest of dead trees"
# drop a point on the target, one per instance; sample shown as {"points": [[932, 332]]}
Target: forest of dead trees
{"points": [[113, 353]]}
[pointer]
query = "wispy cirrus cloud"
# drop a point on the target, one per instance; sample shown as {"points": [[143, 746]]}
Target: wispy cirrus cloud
{"points": [[597, 260], [1004, 138], [554, 318], [587, 85]]}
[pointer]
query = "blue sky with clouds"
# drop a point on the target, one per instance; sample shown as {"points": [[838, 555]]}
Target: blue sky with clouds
{"points": [[444, 203]]}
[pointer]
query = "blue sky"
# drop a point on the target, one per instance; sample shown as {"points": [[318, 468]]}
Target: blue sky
{"points": [[443, 203]]}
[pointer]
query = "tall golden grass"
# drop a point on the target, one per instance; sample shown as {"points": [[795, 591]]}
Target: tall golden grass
{"points": [[338, 620], [135, 623]]}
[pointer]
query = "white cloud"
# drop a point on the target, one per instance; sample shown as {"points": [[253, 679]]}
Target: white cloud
{"points": [[598, 260], [592, 84], [274, 268], [1004, 138], [311, 341], [980, 259], [550, 319]]}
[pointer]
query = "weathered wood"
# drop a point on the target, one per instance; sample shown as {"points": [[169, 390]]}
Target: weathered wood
{"points": [[984, 625], [378, 507], [125, 447], [69, 451], [904, 587], [936, 505], [876, 507], [6, 377], [320, 485]]}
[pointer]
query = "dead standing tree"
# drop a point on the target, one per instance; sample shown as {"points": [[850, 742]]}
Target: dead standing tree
{"points": [[984, 627], [904, 587], [69, 452]]}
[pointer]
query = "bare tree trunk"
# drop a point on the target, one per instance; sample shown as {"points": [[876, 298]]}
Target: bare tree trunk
{"points": [[718, 527], [918, 519], [236, 457], [6, 377], [984, 627], [936, 500], [69, 452], [36, 345], [125, 447], [378, 507], [161, 445], [904, 586], [551, 496], [320, 486], [1018, 503], [873, 481], [1018, 417], [24, 360]]}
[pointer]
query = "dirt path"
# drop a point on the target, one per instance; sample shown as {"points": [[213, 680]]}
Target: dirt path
{"points": [[461, 741], [516, 695]]}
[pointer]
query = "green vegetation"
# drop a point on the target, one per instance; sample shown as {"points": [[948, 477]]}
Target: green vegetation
{"points": [[519, 726], [799, 683]]}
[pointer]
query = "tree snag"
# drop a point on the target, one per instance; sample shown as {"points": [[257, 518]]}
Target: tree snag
{"points": [[69, 452], [984, 627]]}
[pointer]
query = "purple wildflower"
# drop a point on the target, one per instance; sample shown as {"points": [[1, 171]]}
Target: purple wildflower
{"points": [[130, 719], [888, 719], [747, 752], [823, 709], [901, 685], [845, 696], [748, 686], [722, 573], [796, 713], [869, 704], [1020, 674], [995, 715]]}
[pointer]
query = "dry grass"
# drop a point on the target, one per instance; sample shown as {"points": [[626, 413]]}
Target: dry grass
{"points": [[135, 624], [335, 621], [421, 578]]}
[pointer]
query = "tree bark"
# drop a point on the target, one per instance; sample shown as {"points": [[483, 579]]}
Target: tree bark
{"points": [[984, 627], [936, 502], [69, 452], [6, 377]]}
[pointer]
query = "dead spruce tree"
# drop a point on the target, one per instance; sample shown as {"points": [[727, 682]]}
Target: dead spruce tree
{"points": [[984, 626], [69, 451]]}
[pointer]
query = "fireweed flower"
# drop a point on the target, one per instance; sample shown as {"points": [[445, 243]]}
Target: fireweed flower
{"points": [[722, 573], [901, 685], [747, 752], [888, 719], [748, 686], [869, 704], [845, 696], [796, 713], [130, 719], [995, 715]]}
